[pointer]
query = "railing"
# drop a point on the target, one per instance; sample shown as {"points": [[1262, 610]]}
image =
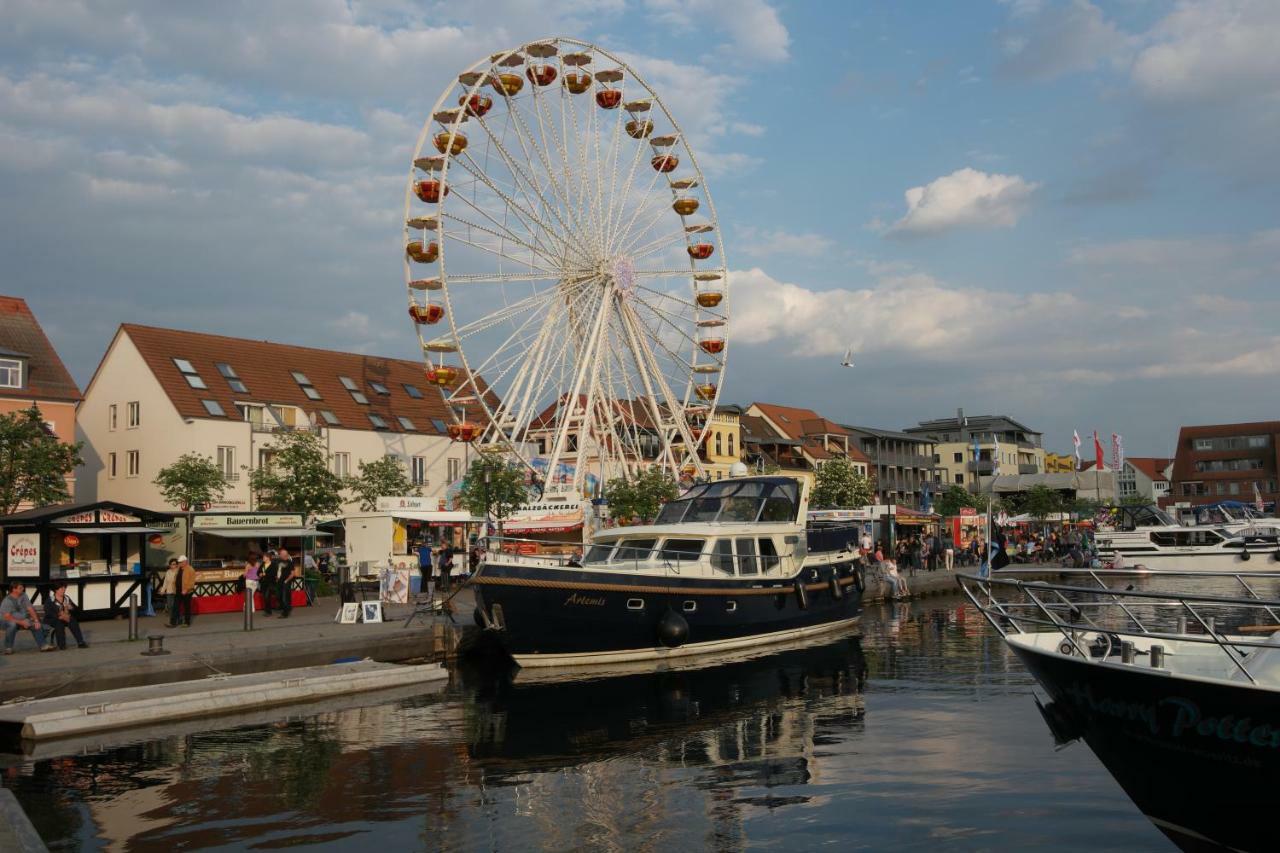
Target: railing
{"points": [[1028, 468], [1091, 607], [623, 557], [982, 466], [266, 427]]}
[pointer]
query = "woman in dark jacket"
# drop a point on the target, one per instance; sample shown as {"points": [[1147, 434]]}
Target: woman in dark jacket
{"points": [[59, 612]]}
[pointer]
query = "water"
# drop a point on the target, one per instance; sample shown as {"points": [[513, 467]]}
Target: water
{"points": [[923, 736]]}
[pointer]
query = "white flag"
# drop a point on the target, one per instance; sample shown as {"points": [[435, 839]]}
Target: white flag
{"points": [[1257, 499], [1075, 438]]}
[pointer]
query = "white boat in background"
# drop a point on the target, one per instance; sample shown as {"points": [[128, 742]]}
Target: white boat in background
{"points": [[1148, 536]]}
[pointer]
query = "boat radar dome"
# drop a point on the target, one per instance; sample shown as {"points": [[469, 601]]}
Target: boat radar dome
{"points": [[738, 469]]}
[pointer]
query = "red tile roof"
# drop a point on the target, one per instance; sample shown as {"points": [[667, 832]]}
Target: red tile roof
{"points": [[810, 427], [45, 376], [267, 368], [1151, 466]]}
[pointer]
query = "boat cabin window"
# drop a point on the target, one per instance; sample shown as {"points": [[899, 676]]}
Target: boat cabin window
{"points": [[747, 562], [769, 559], [1186, 538], [734, 501], [681, 550], [722, 556], [634, 550], [599, 553]]}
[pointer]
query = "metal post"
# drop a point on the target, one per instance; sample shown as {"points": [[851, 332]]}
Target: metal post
{"points": [[1157, 657], [248, 608], [133, 617]]}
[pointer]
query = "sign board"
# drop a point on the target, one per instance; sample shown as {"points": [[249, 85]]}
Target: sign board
{"points": [[412, 502], [107, 516], [22, 559], [77, 518], [968, 511], [267, 520]]}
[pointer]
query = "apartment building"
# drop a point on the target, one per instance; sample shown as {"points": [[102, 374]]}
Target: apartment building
{"points": [[1225, 462], [1005, 447], [1143, 477], [903, 463], [808, 439], [32, 374], [160, 393]]}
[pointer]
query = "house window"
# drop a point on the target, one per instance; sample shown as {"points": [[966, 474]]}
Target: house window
{"points": [[214, 408], [227, 463], [719, 447], [305, 384], [960, 479], [111, 465], [229, 373], [442, 429], [455, 470], [406, 424], [377, 421], [251, 414], [731, 444], [133, 415], [113, 417], [189, 373], [133, 463], [412, 391], [356, 393], [10, 373], [418, 470], [957, 457], [378, 388], [342, 464], [329, 417]]}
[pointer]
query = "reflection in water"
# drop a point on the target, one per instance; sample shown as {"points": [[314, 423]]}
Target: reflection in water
{"points": [[924, 733]]}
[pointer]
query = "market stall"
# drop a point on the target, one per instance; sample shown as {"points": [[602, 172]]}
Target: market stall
{"points": [[396, 533], [101, 549], [552, 528]]}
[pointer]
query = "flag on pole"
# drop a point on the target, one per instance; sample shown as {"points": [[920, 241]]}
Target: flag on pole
{"points": [[1257, 499], [1075, 438], [995, 453], [1115, 451], [1100, 458]]}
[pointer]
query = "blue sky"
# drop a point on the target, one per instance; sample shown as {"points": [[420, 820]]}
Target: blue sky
{"points": [[1094, 241]]}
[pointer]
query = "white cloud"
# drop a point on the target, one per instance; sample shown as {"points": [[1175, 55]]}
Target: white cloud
{"points": [[1048, 40], [967, 198], [1261, 360], [758, 242], [746, 128], [1210, 50], [756, 31]]}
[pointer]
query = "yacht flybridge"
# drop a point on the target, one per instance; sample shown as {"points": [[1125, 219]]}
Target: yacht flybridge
{"points": [[730, 565]]}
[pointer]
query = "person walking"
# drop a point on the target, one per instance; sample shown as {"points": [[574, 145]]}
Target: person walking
{"points": [[286, 571], [445, 567], [268, 581], [186, 589], [17, 613], [252, 579], [169, 589], [60, 610]]}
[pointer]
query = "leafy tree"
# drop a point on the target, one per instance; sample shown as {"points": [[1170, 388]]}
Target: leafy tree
{"points": [[641, 497], [380, 478], [191, 482], [838, 484], [298, 478], [955, 498], [1085, 507], [34, 464], [1040, 502], [493, 487]]}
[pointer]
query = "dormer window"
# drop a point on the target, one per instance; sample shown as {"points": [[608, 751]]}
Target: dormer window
{"points": [[356, 393], [10, 373], [378, 388], [189, 373], [233, 380], [305, 384]]}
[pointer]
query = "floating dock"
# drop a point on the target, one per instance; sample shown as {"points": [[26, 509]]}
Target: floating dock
{"points": [[85, 713]]}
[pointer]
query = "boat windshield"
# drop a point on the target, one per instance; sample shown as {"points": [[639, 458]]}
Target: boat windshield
{"points": [[733, 501]]}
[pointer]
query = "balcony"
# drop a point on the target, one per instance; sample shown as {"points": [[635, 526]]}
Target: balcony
{"points": [[900, 459], [1028, 468], [273, 427], [983, 467]]}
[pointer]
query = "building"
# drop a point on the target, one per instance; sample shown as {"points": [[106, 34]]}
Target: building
{"points": [[903, 463], [160, 393], [723, 445], [763, 449], [811, 439], [1143, 477], [1005, 447], [1059, 463], [31, 374], [1225, 462]]}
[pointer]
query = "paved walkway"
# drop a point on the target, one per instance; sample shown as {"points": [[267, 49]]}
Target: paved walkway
{"points": [[218, 643]]}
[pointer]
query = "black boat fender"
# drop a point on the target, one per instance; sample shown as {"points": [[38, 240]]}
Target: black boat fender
{"points": [[859, 582], [837, 591], [1244, 554], [802, 594], [673, 630]]}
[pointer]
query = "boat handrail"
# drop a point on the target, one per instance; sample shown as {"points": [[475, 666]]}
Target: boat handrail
{"points": [[1020, 616]]}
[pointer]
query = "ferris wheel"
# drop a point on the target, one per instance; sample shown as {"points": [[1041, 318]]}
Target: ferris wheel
{"points": [[565, 271]]}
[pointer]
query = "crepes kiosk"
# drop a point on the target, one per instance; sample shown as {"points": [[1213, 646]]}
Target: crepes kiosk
{"points": [[101, 549]]}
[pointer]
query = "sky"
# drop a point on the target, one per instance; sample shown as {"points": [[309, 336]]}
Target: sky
{"points": [[1067, 212]]}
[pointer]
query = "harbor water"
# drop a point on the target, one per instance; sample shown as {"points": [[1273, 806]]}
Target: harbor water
{"points": [[923, 734]]}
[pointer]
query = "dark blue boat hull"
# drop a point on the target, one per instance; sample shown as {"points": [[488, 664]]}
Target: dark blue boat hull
{"points": [[541, 614]]}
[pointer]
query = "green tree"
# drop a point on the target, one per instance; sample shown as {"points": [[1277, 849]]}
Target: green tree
{"points": [[380, 478], [191, 482], [1040, 502], [839, 485], [298, 479], [34, 464], [1085, 507], [493, 488], [641, 497], [955, 498]]}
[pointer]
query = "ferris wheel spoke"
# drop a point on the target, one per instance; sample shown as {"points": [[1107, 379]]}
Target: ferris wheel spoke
{"points": [[617, 201], [523, 262], [546, 127], [504, 237], [647, 200], [527, 218], [657, 245], [654, 217], [673, 273], [562, 202]]}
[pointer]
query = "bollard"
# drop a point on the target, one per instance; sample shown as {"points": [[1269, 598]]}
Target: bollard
{"points": [[133, 617], [155, 645], [248, 609], [1182, 624], [1126, 652], [1211, 623], [1157, 657]]}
